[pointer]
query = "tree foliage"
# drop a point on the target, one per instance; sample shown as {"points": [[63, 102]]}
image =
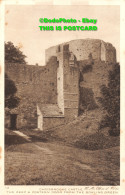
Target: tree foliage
{"points": [[11, 100], [13, 54], [111, 101]]}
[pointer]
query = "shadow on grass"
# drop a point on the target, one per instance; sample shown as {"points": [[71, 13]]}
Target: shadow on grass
{"points": [[14, 140], [35, 138]]}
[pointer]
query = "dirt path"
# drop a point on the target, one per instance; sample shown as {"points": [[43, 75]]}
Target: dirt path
{"points": [[41, 163]]}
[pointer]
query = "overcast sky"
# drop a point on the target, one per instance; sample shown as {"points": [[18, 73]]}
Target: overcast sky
{"points": [[22, 29]]}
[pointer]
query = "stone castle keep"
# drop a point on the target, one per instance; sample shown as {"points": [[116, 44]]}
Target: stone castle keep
{"points": [[68, 85]]}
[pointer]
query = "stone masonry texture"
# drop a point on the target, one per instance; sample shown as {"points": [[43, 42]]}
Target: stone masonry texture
{"points": [[71, 78]]}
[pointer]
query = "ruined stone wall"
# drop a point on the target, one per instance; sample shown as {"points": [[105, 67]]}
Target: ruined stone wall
{"points": [[35, 81], [108, 52], [72, 78], [60, 81], [34, 84], [81, 48], [97, 58], [71, 85], [67, 82]]}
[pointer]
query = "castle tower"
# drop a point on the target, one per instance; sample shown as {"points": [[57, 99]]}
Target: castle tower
{"points": [[67, 82], [89, 59], [71, 84], [68, 85]]}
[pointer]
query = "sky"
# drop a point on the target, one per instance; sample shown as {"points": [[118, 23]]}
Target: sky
{"points": [[22, 27]]}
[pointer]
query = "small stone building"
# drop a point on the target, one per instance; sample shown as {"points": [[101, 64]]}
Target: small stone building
{"points": [[69, 84], [49, 116]]}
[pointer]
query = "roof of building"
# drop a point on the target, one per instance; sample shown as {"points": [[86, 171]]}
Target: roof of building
{"points": [[50, 110]]}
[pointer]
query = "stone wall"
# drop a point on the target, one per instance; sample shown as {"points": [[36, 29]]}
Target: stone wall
{"points": [[60, 81], [51, 122], [71, 78], [96, 58], [81, 48], [34, 84], [71, 85], [67, 81]]}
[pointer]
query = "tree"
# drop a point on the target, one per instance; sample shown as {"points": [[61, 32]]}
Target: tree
{"points": [[111, 101], [13, 54], [11, 100]]}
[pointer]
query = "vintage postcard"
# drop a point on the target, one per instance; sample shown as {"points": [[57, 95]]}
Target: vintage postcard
{"points": [[62, 101]]}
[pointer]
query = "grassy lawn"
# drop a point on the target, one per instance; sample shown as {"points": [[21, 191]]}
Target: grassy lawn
{"points": [[50, 161]]}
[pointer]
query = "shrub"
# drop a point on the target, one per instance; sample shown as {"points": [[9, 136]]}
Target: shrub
{"points": [[111, 101]]}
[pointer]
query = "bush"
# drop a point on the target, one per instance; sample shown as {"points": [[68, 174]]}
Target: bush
{"points": [[111, 101], [97, 141]]}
